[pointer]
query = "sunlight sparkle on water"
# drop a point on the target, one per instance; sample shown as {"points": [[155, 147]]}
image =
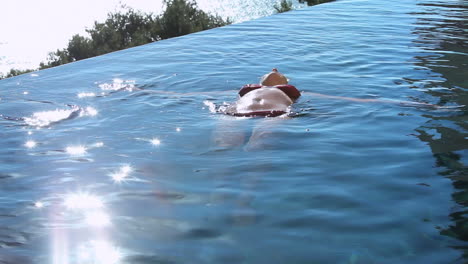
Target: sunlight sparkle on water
{"points": [[211, 106], [97, 219], [45, 118], [178, 129], [83, 201], [99, 251], [155, 141], [76, 150], [82, 95], [122, 173], [118, 84], [30, 144], [126, 169], [39, 204], [89, 111], [98, 144]]}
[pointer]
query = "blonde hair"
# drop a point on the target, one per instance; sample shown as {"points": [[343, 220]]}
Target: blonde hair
{"points": [[273, 78]]}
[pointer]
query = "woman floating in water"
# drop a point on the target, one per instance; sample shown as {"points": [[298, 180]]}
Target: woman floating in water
{"points": [[272, 97]]}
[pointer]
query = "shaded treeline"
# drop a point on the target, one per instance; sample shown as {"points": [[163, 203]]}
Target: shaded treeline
{"points": [[287, 5], [314, 2], [130, 28]]}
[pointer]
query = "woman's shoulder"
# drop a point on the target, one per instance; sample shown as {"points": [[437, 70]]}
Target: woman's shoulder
{"points": [[290, 90]]}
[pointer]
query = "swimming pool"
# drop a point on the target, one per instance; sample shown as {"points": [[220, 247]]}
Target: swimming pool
{"points": [[123, 159]]}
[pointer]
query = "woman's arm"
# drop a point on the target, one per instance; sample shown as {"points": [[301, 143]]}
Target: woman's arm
{"points": [[362, 100], [192, 93]]}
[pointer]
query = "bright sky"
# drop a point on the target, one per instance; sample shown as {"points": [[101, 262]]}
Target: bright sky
{"points": [[29, 29]]}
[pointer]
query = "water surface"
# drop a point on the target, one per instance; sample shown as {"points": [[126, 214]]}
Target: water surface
{"points": [[121, 158]]}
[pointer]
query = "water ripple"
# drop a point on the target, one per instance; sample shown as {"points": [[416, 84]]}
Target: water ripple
{"points": [[126, 158]]}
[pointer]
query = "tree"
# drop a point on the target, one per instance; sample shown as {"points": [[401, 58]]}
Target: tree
{"points": [[123, 30], [80, 47], [284, 6], [129, 28], [14, 72], [56, 58], [183, 17]]}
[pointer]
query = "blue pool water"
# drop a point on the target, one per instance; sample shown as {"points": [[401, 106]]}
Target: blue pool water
{"points": [[123, 159]]}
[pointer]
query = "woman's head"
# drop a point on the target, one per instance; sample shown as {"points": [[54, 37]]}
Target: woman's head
{"points": [[273, 78]]}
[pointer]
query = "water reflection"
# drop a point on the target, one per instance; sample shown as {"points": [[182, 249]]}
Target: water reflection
{"points": [[118, 84], [121, 174], [99, 252], [97, 219], [46, 118], [76, 150], [83, 95], [93, 244], [82, 201], [442, 34], [39, 204], [89, 111], [30, 144], [155, 141], [97, 145]]}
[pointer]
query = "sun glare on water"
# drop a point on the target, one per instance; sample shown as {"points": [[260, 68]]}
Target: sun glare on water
{"points": [[97, 219], [82, 201], [30, 144], [83, 95], [155, 141], [76, 150], [99, 251], [121, 174], [45, 118]]}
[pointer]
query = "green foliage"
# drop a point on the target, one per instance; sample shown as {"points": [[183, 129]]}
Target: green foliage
{"points": [[55, 59], [119, 31], [182, 17], [80, 48], [284, 6], [129, 28], [15, 72]]}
